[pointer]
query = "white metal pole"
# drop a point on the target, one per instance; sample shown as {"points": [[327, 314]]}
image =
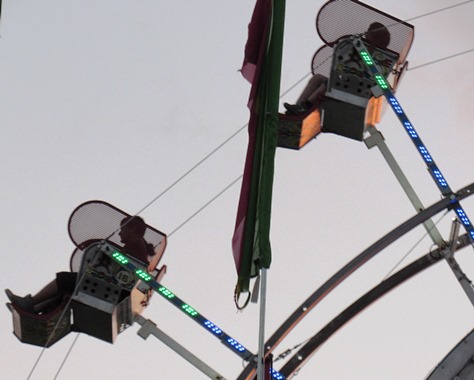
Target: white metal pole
{"points": [[148, 327], [376, 139], [261, 335]]}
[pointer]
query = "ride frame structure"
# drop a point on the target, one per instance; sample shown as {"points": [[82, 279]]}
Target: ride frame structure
{"points": [[445, 248], [376, 139], [451, 201], [458, 361]]}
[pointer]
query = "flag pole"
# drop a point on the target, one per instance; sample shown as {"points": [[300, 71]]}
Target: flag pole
{"points": [[251, 239], [261, 334], [272, 80]]}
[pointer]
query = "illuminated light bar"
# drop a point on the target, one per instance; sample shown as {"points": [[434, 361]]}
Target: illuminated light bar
{"points": [[463, 217], [366, 57], [425, 154], [439, 177], [211, 326], [224, 338], [236, 345], [143, 275], [395, 105], [381, 81], [188, 309], [277, 375], [411, 131], [165, 292], [120, 258], [432, 167]]}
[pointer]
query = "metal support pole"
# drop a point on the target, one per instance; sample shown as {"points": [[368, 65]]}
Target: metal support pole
{"points": [[148, 327], [261, 335], [377, 139]]}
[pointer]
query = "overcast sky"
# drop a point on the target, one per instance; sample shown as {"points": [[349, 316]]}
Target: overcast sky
{"points": [[116, 100]]}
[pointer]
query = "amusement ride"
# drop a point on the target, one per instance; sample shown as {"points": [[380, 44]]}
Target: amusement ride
{"points": [[114, 287]]}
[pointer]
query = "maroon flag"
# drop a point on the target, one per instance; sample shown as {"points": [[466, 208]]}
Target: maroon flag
{"points": [[256, 46]]}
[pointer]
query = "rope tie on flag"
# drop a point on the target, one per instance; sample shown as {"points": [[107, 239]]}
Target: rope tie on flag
{"points": [[237, 294]]}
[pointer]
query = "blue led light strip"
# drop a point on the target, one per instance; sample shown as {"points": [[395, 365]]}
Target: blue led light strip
{"points": [[277, 375], [422, 150]]}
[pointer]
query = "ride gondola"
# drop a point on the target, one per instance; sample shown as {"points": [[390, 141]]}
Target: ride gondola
{"points": [[107, 297], [352, 100]]}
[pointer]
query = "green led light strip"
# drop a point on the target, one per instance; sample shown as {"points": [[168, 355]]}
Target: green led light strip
{"points": [[143, 275], [119, 257], [166, 293], [381, 81], [366, 57]]}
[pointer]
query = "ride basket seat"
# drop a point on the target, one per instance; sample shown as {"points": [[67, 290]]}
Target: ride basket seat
{"points": [[107, 296], [42, 329], [352, 100], [294, 131]]}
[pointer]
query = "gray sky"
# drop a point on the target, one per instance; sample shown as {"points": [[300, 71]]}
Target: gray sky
{"points": [[115, 100]]}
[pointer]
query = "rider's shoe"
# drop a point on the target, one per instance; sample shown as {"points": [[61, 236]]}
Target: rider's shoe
{"points": [[25, 303]]}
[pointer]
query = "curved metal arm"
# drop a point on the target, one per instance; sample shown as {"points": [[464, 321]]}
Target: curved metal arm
{"points": [[305, 353], [320, 293]]}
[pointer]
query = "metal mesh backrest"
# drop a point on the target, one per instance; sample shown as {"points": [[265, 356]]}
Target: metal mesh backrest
{"points": [[322, 61], [97, 220], [338, 18]]}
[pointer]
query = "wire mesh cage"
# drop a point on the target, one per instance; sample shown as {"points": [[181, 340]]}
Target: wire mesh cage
{"points": [[97, 220]]}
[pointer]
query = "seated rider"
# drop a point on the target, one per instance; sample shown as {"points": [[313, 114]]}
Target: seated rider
{"points": [[377, 34], [131, 233]]}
